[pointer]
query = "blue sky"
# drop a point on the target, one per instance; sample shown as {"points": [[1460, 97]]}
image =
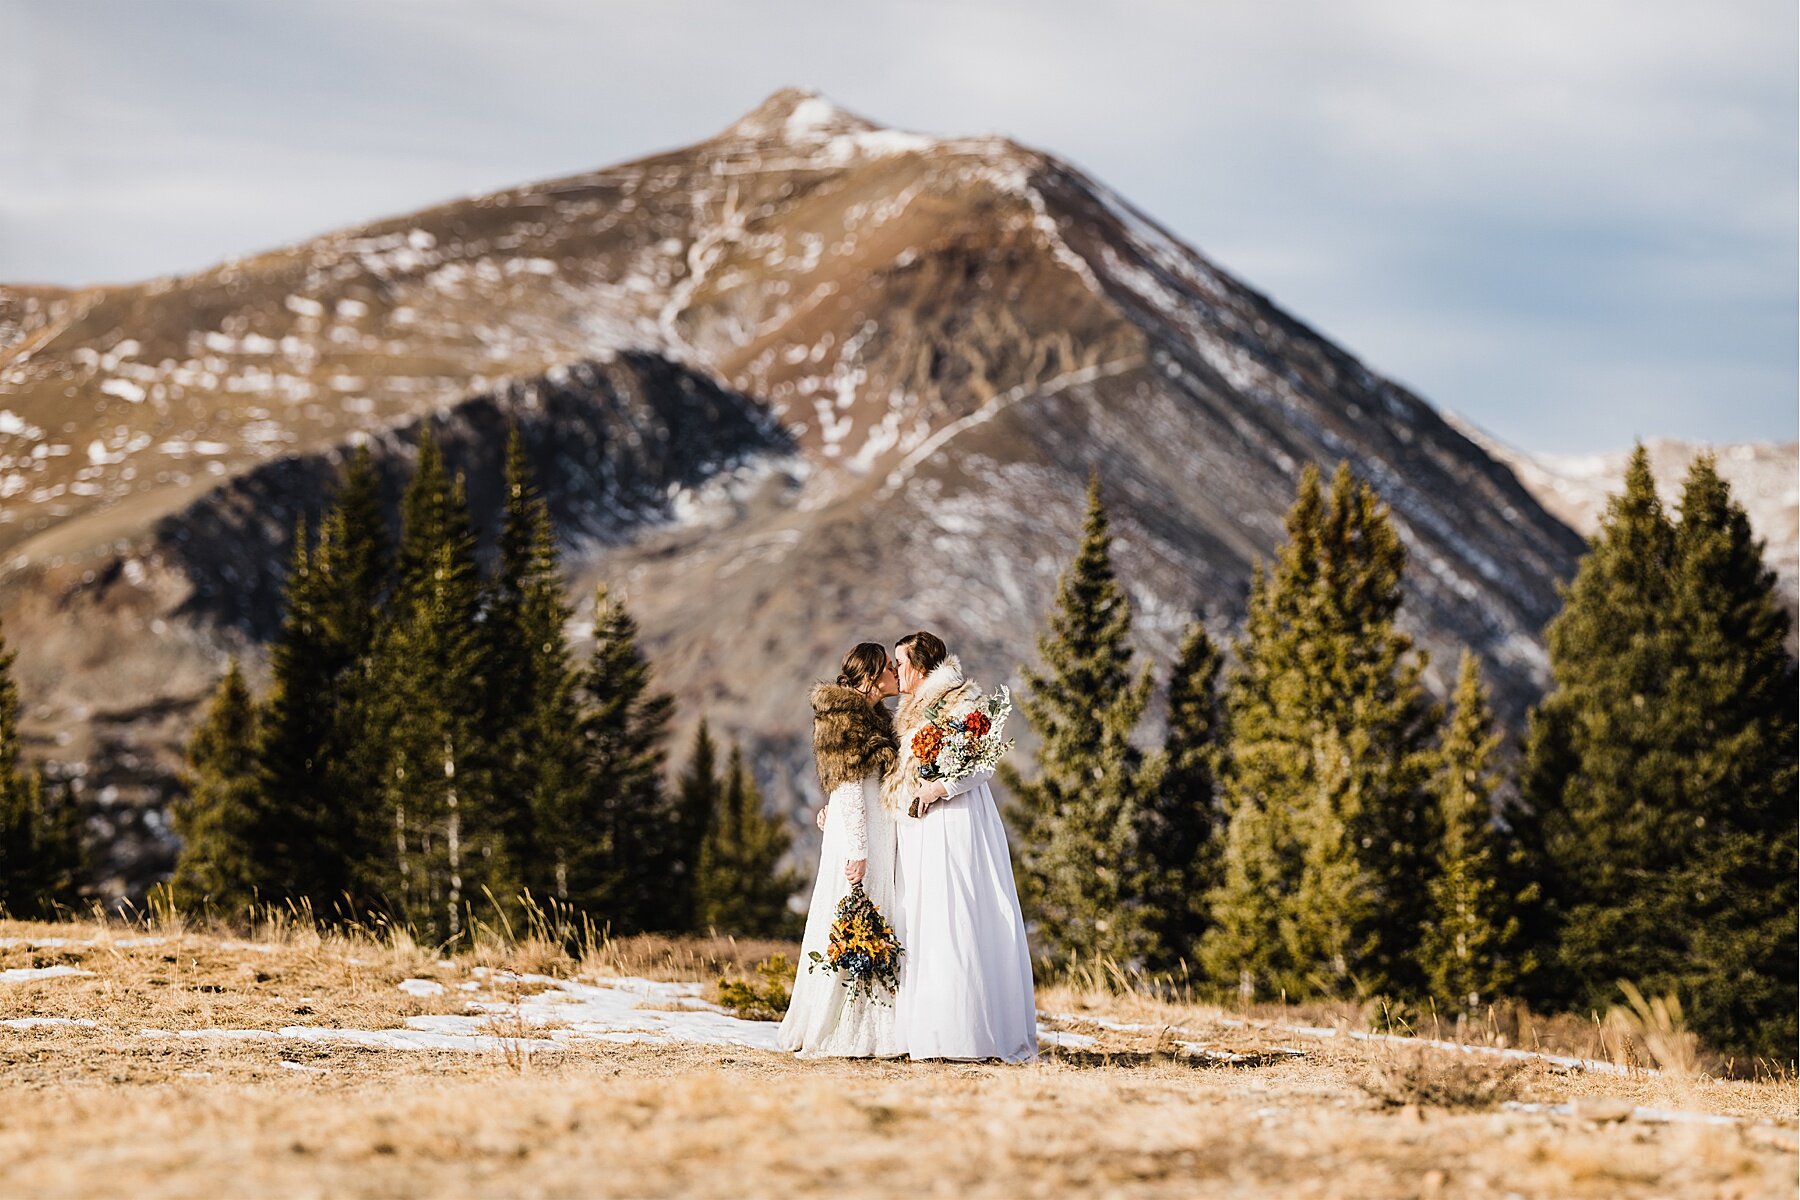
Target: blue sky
{"points": [[1571, 221]]}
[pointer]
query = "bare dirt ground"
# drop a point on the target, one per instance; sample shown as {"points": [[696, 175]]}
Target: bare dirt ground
{"points": [[123, 1080]]}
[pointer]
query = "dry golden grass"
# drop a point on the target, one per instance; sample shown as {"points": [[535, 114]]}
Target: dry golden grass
{"points": [[93, 1109]]}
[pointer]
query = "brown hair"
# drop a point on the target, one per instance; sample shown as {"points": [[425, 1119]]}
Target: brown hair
{"points": [[863, 666], [925, 651]]}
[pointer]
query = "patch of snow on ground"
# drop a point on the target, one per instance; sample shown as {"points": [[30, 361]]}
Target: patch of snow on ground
{"points": [[52, 943], [566, 1013], [1559, 1060], [421, 987], [28, 974]]}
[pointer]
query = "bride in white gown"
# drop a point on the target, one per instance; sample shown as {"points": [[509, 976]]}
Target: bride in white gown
{"points": [[965, 979], [853, 746]]}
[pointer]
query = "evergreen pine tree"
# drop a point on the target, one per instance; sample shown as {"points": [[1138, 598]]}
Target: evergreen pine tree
{"points": [[1470, 951], [62, 854], [1077, 821], [319, 777], [1737, 683], [431, 672], [40, 833], [355, 557], [227, 860], [1327, 849], [625, 841], [1600, 760], [1662, 769], [353, 564], [739, 887], [1182, 821], [532, 693], [298, 829], [699, 795]]}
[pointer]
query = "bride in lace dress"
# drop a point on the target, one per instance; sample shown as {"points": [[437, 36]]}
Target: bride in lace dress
{"points": [[853, 746]]}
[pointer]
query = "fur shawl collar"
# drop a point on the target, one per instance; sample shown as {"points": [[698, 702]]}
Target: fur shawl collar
{"points": [[851, 737], [945, 686]]}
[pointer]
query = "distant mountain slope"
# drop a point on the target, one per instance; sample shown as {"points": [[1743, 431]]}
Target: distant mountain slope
{"points": [[935, 341]]}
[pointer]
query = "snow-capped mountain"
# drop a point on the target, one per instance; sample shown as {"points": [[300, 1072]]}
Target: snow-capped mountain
{"points": [[806, 382]]}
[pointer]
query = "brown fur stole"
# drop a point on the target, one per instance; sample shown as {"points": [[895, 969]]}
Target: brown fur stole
{"points": [[851, 737]]}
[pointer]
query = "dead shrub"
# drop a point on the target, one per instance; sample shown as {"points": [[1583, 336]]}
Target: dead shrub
{"points": [[1440, 1079]]}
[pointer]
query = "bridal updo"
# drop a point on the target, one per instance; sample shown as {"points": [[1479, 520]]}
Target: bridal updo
{"points": [[863, 666], [925, 651]]}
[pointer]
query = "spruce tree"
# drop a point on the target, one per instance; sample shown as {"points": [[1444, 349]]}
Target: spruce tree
{"points": [[298, 830], [62, 854], [355, 558], [40, 831], [320, 778], [625, 841], [353, 563], [438, 776], [1470, 952], [1327, 849], [228, 860], [1600, 761], [1077, 821], [532, 695], [1662, 768], [1182, 822], [1737, 684], [739, 887], [699, 795]]}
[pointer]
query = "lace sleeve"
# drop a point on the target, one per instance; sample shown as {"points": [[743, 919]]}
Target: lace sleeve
{"points": [[847, 806], [957, 787]]}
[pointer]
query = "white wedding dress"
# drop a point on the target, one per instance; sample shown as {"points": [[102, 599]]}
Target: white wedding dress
{"points": [[965, 980], [823, 1020]]}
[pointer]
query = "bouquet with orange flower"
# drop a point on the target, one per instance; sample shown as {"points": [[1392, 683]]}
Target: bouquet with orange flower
{"points": [[952, 748], [863, 947]]}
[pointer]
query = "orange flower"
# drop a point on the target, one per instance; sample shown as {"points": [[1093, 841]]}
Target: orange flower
{"points": [[926, 743], [977, 724]]}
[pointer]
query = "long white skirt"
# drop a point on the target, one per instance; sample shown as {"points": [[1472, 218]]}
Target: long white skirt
{"points": [[823, 1021], [965, 980]]}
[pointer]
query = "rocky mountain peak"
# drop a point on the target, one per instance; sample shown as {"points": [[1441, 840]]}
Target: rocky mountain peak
{"points": [[797, 116]]}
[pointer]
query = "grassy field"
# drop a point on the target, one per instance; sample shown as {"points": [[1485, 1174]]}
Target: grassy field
{"points": [[185, 1063]]}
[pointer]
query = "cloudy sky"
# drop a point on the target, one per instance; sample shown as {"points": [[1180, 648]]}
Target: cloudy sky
{"points": [[1572, 221]]}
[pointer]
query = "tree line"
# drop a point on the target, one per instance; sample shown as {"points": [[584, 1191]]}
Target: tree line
{"points": [[1313, 825], [428, 747]]}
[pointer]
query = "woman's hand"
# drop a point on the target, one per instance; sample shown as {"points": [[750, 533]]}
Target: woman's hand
{"points": [[853, 871], [929, 795], [823, 809]]}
